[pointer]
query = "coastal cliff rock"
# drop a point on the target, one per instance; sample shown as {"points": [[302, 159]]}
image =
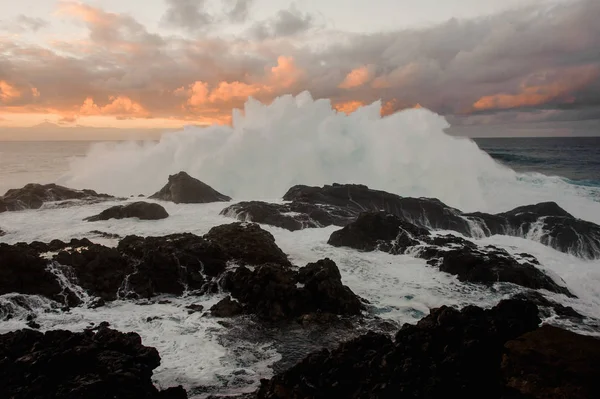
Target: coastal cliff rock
{"points": [[184, 189]]}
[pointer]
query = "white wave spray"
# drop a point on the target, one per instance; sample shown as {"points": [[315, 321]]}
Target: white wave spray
{"points": [[298, 140]]}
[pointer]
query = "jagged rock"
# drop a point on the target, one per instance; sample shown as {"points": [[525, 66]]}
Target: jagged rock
{"points": [[33, 196], [556, 227], [141, 210], [172, 263], [425, 212], [274, 292], [23, 271], [292, 216], [98, 269], [449, 353], [184, 189], [104, 234], [454, 255], [247, 243], [549, 308], [2, 233], [64, 364], [551, 363], [226, 308]]}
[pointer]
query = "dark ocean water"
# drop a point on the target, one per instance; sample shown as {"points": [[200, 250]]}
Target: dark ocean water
{"points": [[575, 158]]}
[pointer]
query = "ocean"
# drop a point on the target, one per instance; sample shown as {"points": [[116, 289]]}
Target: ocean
{"points": [[270, 150]]}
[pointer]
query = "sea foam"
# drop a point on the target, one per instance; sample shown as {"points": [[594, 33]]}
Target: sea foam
{"points": [[299, 140]]}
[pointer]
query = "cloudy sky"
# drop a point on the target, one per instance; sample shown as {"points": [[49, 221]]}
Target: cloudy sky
{"points": [[167, 63]]}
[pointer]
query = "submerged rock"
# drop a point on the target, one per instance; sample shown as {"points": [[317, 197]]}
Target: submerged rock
{"points": [[141, 210], [449, 353], [33, 196], [553, 363], [184, 189], [2, 233], [454, 255], [64, 364]]}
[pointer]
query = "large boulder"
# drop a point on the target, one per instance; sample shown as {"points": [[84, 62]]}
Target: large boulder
{"points": [[449, 353], [552, 363], [141, 210], [247, 243], [63, 364], [454, 255], [274, 292], [33, 196], [184, 189]]}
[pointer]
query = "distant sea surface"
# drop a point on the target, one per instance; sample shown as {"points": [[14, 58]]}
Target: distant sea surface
{"points": [[574, 158]]}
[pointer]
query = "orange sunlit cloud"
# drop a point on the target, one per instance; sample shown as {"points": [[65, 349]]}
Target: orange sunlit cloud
{"points": [[356, 78], [348, 107], [533, 95], [120, 107]]}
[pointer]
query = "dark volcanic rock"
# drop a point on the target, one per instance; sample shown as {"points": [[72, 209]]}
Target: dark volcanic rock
{"points": [[247, 243], [23, 271], [226, 308], [293, 216], [63, 364], [551, 363], [550, 308], [454, 255], [274, 292], [449, 353], [2, 233], [184, 189], [104, 234], [32, 196], [172, 263], [426, 212], [140, 209], [98, 269], [553, 225], [557, 228]]}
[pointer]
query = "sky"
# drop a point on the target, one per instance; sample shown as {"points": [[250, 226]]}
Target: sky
{"points": [[163, 64]]}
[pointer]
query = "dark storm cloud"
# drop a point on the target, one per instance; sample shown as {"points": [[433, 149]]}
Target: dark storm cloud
{"points": [[187, 14], [527, 64]]}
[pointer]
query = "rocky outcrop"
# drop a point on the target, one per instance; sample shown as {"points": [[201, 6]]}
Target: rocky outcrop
{"points": [[139, 267], [2, 233], [274, 292], [23, 271], [63, 364], [340, 204], [551, 363], [454, 255], [141, 210], [247, 243], [449, 353], [33, 196], [291, 216], [184, 189]]}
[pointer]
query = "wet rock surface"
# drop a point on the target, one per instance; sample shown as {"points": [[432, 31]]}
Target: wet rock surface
{"points": [[449, 353], [553, 363], [340, 204], [141, 210], [33, 196], [451, 254], [274, 292], [63, 364], [247, 243], [184, 189]]}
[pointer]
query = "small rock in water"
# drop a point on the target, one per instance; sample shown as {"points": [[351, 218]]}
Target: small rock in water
{"points": [[33, 324], [141, 210], [184, 189], [194, 308], [226, 308]]}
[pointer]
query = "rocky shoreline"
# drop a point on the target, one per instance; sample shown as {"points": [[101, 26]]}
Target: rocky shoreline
{"points": [[502, 352]]}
